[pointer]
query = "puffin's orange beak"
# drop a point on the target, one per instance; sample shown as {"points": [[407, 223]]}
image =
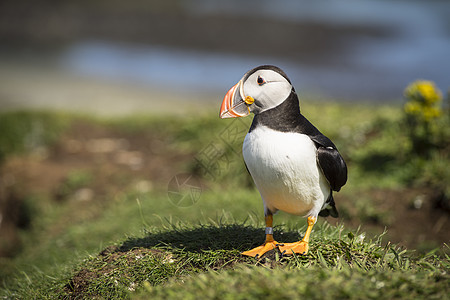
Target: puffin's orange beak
{"points": [[233, 105]]}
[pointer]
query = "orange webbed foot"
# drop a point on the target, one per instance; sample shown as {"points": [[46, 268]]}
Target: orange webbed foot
{"points": [[258, 252], [300, 247]]}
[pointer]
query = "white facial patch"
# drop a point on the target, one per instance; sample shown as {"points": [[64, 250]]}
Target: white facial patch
{"points": [[271, 93]]}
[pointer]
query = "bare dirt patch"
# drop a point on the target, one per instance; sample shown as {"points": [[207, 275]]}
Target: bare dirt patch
{"points": [[412, 217]]}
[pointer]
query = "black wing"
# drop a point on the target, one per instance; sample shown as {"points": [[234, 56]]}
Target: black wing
{"points": [[330, 161], [333, 166]]}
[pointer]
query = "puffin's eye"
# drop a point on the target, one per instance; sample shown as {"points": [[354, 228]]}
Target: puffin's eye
{"points": [[260, 80]]}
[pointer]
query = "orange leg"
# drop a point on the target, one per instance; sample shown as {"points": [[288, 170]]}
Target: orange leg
{"points": [[268, 245], [302, 246]]}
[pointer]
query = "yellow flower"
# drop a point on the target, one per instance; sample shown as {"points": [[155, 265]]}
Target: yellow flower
{"points": [[423, 91], [423, 100]]}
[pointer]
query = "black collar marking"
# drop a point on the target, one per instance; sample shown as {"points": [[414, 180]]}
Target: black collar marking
{"points": [[286, 117]]}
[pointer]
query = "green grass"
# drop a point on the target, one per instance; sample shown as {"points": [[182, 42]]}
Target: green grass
{"points": [[204, 261], [134, 244], [315, 282]]}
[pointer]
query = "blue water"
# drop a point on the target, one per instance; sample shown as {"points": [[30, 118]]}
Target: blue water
{"points": [[376, 68]]}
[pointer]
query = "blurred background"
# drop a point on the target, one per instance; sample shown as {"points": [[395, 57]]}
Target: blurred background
{"points": [[64, 178], [115, 57]]}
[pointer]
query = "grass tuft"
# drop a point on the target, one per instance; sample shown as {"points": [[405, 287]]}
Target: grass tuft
{"points": [[174, 263]]}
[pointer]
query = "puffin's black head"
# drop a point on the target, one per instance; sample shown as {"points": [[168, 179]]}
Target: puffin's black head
{"points": [[260, 89]]}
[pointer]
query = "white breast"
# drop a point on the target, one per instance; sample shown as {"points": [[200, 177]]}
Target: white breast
{"points": [[285, 171]]}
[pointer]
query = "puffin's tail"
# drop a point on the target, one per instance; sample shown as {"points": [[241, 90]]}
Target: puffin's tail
{"points": [[329, 208]]}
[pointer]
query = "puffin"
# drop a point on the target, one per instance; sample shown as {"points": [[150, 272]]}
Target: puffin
{"points": [[294, 166]]}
